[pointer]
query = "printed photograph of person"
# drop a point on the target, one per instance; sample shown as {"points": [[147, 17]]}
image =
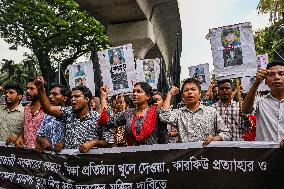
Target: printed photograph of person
{"points": [[80, 81], [232, 57], [116, 56], [119, 77], [150, 77], [262, 60], [231, 38], [200, 74], [149, 71], [80, 71]]}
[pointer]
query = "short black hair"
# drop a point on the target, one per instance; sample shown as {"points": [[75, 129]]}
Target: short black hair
{"points": [[158, 93], [31, 80], [85, 90], [227, 31], [14, 86], [113, 97], [128, 101], [64, 90], [191, 80], [220, 82], [274, 63]]}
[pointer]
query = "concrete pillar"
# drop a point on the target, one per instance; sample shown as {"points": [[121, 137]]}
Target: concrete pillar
{"points": [[140, 34]]}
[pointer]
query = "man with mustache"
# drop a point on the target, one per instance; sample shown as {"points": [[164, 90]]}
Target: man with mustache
{"points": [[32, 119], [82, 131], [229, 109], [12, 114], [269, 109]]}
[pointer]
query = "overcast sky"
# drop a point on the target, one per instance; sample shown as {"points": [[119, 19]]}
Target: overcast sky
{"points": [[197, 17]]}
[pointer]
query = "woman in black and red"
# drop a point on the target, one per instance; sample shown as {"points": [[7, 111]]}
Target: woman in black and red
{"points": [[142, 122]]}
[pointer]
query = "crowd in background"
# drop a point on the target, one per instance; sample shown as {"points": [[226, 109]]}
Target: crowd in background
{"points": [[60, 118]]}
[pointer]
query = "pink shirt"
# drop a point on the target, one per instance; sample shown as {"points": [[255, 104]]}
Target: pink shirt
{"points": [[31, 125]]}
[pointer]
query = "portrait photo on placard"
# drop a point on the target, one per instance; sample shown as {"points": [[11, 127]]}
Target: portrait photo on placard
{"points": [[200, 74], [79, 71], [233, 50], [230, 38], [232, 57], [149, 71], [80, 81], [116, 56]]}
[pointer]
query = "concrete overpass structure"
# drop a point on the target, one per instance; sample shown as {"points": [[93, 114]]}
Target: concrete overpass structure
{"points": [[150, 25]]}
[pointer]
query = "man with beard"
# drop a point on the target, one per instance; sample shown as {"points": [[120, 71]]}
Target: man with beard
{"points": [[269, 109], [194, 121], [12, 114], [33, 116], [82, 131], [51, 132], [229, 109]]}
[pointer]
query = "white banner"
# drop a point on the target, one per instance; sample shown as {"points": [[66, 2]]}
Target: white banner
{"points": [[82, 74], [148, 70], [118, 68], [233, 50], [202, 74]]}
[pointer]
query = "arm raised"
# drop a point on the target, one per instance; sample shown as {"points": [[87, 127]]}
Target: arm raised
{"points": [[44, 101], [250, 97]]}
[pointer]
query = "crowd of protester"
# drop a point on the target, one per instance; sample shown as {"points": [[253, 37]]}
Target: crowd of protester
{"points": [[74, 119]]}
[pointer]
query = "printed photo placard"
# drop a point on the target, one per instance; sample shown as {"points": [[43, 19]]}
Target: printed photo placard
{"points": [[202, 74], [233, 50], [118, 68], [148, 70], [262, 61], [82, 74]]}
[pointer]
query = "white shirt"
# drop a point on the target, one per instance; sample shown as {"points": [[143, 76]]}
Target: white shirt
{"points": [[269, 119]]}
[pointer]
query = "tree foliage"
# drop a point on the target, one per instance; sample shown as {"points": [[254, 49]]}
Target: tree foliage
{"points": [[270, 40], [56, 31], [275, 8], [20, 73]]}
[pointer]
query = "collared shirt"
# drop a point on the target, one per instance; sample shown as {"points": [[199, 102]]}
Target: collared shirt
{"points": [[11, 121], [31, 125], [196, 126], [79, 131], [269, 119], [231, 116], [52, 128]]}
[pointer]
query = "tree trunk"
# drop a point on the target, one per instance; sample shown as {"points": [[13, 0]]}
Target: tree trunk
{"points": [[47, 71]]}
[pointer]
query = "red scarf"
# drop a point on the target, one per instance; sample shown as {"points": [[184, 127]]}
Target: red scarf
{"points": [[147, 126]]}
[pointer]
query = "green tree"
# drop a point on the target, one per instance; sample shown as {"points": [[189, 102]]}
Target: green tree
{"points": [[275, 8], [8, 69], [56, 31], [20, 73], [269, 40]]}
